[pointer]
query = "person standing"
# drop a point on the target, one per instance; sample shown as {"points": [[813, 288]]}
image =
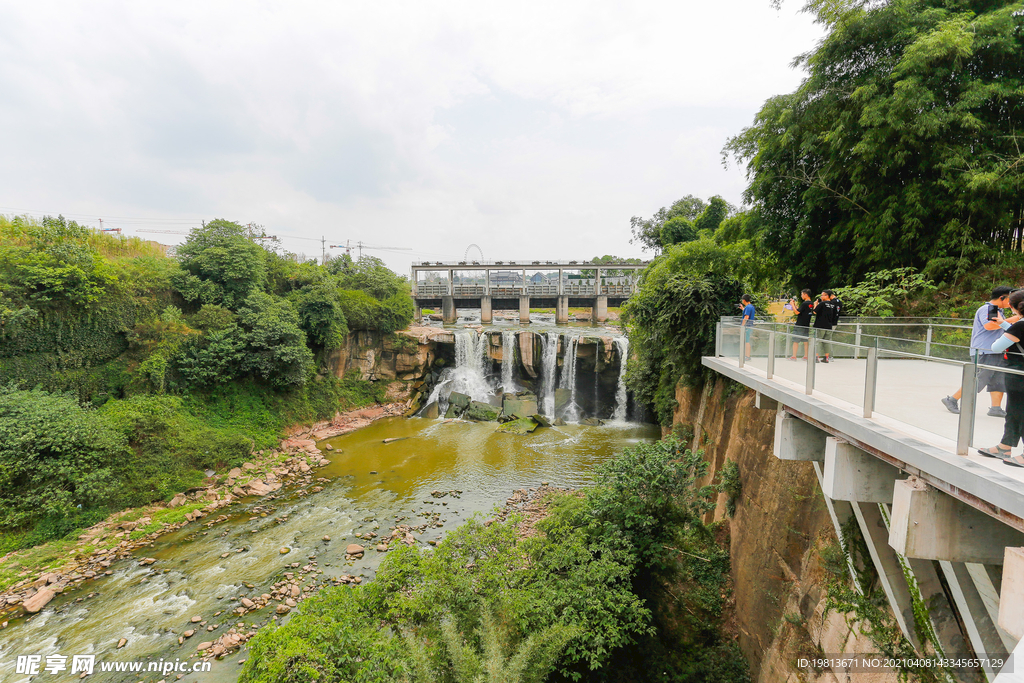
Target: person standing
{"points": [[1010, 344], [987, 329], [823, 322], [803, 322], [748, 322]]}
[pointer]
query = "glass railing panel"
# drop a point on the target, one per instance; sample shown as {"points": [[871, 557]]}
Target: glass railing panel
{"points": [[911, 388], [759, 349], [790, 343], [730, 341], [843, 376]]}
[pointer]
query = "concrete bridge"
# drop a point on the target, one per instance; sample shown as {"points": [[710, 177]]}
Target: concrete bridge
{"points": [[943, 526], [506, 285]]}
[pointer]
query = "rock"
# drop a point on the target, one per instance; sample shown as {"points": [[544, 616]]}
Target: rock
{"points": [[394, 439], [382, 548], [247, 603], [481, 412], [559, 422], [591, 422], [562, 399], [189, 633], [146, 561], [327, 538], [283, 609], [453, 411], [541, 420], [235, 473], [290, 602], [284, 551], [196, 619], [121, 643], [256, 487], [248, 466], [354, 549], [517, 407], [457, 399], [522, 425], [205, 645], [295, 591], [177, 501], [432, 411], [38, 601]]}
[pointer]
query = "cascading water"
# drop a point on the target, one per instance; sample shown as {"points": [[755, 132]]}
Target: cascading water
{"points": [[508, 360], [549, 365], [619, 414], [469, 375], [568, 379]]}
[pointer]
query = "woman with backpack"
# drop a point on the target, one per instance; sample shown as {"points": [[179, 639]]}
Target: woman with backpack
{"points": [[1011, 344]]}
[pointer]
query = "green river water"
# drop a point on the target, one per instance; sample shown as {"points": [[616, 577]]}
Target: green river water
{"points": [[372, 487]]}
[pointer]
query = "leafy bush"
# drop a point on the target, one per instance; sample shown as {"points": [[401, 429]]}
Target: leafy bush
{"points": [[881, 292], [220, 265]]}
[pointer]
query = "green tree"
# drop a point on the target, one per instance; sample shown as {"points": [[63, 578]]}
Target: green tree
{"points": [[275, 345], [221, 265], [901, 148], [716, 211], [647, 231], [321, 316], [677, 230]]}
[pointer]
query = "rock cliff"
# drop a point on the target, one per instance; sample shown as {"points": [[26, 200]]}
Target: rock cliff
{"points": [[777, 534]]}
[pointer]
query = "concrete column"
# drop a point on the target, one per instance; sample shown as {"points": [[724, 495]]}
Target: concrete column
{"points": [[451, 283], [524, 309], [928, 524], [487, 282], [797, 440], [562, 309], [485, 310], [982, 632], [448, 314], [599, 312], [597, 282], [1011, 595], [856, 476], [559, 282], [763, 402], [418, 313]]}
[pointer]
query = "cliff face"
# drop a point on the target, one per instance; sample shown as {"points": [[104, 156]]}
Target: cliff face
{"points": [[779, 528]]}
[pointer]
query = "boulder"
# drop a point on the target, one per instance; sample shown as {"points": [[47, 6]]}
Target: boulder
{"points": [[38, 601], [432, 411], [523, 425], [354, 549], [591, 422], [562, 399], [541, 420], [519, 407], [481, 412], [453, 411], [235, 473], [248, 466], [559, 422], [282, 609], [249, 604], [457, 399], [205, 645], [177, 501]]}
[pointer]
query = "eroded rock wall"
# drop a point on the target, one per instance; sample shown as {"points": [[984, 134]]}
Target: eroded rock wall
{"points": [[779, 527]]}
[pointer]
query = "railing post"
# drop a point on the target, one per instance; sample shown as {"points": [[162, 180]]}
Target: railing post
{"points": [[770, 367], [856, 343], [743, 344], [968, 402], [718, 339], [870, 381], [928, 342], [809, 382]]}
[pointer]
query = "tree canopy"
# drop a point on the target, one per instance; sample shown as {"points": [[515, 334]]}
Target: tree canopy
{"points": [[902, 147], [681, 222]]}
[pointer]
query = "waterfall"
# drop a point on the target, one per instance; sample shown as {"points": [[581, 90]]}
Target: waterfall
{"points": [[549, 365], [469, 376], [568, 379], [619, 415], [508, 361]]}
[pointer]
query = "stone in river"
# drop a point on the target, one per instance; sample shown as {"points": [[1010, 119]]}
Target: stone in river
{"points": [[481, 412], [283, 609], [38, 601], [327, 538], [121, 643], [189, 633], [457, 399], [205, 645], [196, 619], [523, 425], [248, 603], [284, 551], [354, 549], [541, 420]]}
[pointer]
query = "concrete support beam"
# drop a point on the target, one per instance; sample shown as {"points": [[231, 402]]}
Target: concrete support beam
{"points": [[841, 513], [485, 310], [987, 581], [562, 309], [887, 565], [797, 440], [856, 476], [599, 312], [940, 613], [1011, 595], [764, 403], [448, 314], [418, 313], [930, 525], [524, 309], [981, 630]]}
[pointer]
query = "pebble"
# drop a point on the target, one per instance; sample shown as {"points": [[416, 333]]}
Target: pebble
{"points": [[121, 643], [196, 620], [327, 538], [285, 551]]}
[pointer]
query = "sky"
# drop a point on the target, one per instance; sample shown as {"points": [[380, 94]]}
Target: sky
{"points": [[533, 130]]}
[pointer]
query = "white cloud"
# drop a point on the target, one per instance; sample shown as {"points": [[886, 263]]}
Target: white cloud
{"points": [[530, 129]]}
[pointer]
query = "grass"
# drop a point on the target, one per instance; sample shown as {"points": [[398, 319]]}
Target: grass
{"points": [[167, 516]]}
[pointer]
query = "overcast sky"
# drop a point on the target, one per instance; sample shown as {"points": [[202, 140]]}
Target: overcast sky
{"points": [[532, 129]]}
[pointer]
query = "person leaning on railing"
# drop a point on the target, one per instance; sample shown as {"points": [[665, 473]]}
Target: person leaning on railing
{"points": [[1011, 346], [987, 329]]}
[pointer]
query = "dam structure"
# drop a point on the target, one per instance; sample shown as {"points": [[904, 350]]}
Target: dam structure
{"points": [[512, 285], [943, 526]]}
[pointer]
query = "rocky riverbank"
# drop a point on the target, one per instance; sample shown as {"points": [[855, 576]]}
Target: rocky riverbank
{"points": [[123, 533]]}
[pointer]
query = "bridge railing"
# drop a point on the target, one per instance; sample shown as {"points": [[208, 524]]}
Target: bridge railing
{"points": [[568, 289], [899, 378]]}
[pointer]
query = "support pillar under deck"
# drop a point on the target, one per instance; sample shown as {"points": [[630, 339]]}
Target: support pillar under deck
{"points": [[448, 314], [600, 309], [524, 310], [485, 310], [562, 310]]}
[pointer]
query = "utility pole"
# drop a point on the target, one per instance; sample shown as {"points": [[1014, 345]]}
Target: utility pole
{"points": [[323, 250]]}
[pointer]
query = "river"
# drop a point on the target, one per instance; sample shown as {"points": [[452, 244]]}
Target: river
{"points": [[371, 487]]}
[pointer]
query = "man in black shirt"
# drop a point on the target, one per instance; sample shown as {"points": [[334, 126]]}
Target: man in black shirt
{"points": [[803, 322], [826, 315]]}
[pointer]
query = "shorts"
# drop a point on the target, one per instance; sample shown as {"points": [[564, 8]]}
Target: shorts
{"points": [[991, 380], [801, 331]]}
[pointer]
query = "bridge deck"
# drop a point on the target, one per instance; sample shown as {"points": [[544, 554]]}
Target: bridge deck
{"points": [[909, 427]]}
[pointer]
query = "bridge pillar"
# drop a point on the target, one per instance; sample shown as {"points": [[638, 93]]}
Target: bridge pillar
{"points": [[930, 525], [524, 309], [448, 314], [797, 440], [856, 476], [562, 309], [417, 314], [485, 310], [1011, 594], [599, 312]]}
